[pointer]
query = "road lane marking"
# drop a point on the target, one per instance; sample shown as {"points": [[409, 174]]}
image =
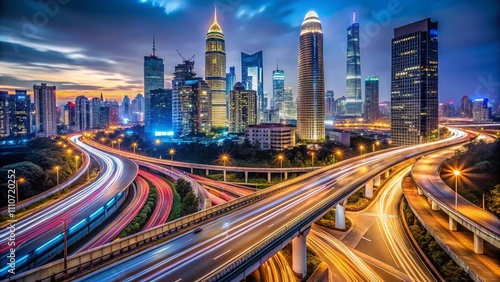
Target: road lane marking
{"points": [[288, 214], [222, 254], [271, 225], [366, 239], [178, 280]]}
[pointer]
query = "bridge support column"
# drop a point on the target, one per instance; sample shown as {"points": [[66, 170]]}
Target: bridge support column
{"points": [[369, 189], [452, 224], [269, 177], [386, 174], [206, 172], [478, 244], [225, 176], [429, 200], [299, 254], [434, 206], [246, 176], [340, 216], [286, 175], [419, 191], [376, 181], [192, 170]]}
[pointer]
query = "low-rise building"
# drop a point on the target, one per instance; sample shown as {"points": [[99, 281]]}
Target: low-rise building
{"points": [[271, 136]]}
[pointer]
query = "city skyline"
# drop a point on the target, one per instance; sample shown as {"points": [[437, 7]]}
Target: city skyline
{"points": [[80, 66]]}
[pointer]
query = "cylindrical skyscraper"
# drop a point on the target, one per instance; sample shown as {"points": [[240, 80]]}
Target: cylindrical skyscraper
{"points": [[215, 72], [311, 82]]}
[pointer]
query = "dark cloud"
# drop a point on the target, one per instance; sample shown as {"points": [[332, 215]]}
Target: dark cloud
{"points": [[113, 36]]}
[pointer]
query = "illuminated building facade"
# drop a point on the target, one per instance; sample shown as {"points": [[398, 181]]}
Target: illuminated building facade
{"points": [[252, 76], [45, 110], [242, 108], [153, 79], [353, 76], [371, 98]]}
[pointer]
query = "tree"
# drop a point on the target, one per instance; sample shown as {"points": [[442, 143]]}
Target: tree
{"points": [[189, 204], [33, 175], [182, 187], [494, 200]]}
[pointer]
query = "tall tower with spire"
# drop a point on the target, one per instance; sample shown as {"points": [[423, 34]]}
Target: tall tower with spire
{"points": [[153, 80], [353, 75], [215, 72], [278, 90]]}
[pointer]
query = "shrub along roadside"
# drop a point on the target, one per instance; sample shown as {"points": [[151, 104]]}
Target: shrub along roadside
{"points": [[328, 221], [142, 217], [313, 260], [439, 258]]}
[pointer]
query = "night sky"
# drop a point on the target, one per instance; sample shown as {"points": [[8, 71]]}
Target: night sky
{"points": [[88, 47]]}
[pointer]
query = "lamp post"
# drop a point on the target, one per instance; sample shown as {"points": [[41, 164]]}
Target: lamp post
{"points": [[280, 158], [361, 149], [69, 151], [172, 153], [134, 145], [457, 174], [339, 155], [21, 180], [119, 141], [225, 158], [113, 144], [57, 173], [76, 162], [312, 159], [103, 139]]}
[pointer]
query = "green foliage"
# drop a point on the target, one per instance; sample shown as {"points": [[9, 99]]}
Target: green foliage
{"points": [[328, 221], [443, 263], [143, 216], [182, 187], [33, 175], [189, 204], [493, 201]]}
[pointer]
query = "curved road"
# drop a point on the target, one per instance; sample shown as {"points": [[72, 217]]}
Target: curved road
{"points": [[35, 232], [164, 200]]}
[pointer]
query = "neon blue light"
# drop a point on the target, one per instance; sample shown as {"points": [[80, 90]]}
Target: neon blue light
{"points": [[79, 223], [96, 212], [23, 258], [110, 202], [49, 242]]}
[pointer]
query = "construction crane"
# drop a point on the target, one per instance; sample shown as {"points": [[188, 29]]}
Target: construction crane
{"points": [[188, 60]]}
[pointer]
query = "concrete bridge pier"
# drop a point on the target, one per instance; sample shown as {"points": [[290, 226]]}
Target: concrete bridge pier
{"points": [[452, 225], [369, 189], [386, 174], [192, 170], [225, 180], [340, 216], [419, 191], [434, 205], [286, 175], [268, 177], [478, 244], [376, 181], [246, 176], [207, 172], [299, 253]]}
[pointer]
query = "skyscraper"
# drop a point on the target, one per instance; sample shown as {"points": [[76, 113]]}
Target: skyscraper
{"points": [[289, 105], [481, 110], [329, 104], [252, 76], [371, 98], [183, 72], [353, 76], [153, 79], [215, 72], [95, 110], [20, 107], [278, 90], [161, 112], [311, 84], [45, 110], [125, 108], [465, 107], [414, 83], [4, 114], [243, 108], [230, 81], [83, 118], [137, 108]]}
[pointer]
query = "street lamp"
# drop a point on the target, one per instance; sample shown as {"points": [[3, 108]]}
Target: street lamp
{"points": [[312, 159], [119, 141], [361, 149], [57, 173], [69, 151], [112, 144], [172, 153], [21, 180], [134, 145], [457, 174], [157, 142], [76, 163], [280, 158], [225, 158], [103, 139], [339, 154]]}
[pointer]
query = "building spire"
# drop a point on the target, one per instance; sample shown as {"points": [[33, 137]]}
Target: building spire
{"points": [[353, 16], [154, 44], [215, 14], [277, 68]]}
